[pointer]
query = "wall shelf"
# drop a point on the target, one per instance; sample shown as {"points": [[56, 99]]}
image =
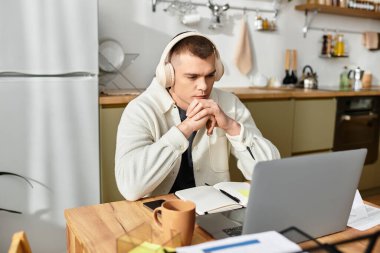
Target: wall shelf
{"points": [[338, 11], [315, 9], [332, 56]]}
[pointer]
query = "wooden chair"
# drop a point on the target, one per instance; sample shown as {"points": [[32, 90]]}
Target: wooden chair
{"points": [[20, 243]]}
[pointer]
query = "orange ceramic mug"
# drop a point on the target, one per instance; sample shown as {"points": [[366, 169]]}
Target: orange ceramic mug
{"points": [[177, 216]]}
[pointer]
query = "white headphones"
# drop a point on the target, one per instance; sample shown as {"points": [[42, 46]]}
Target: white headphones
{"points": [[165, 70]]}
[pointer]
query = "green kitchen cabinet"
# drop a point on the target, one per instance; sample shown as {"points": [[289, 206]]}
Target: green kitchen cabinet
{"points": [[314, 123], [109, 121], [274, 118]]}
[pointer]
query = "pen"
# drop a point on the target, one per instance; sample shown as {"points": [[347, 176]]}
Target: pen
{"points": [[230, 196]]}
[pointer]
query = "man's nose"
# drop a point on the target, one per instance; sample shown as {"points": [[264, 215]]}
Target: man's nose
{"points": [[202, 84]]}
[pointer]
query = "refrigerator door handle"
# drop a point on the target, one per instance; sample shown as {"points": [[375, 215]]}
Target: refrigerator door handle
{"points": [[16, 175], [10, 211]]}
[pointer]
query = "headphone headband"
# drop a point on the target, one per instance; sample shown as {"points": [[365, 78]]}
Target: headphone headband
{"points": [[165, 71]]}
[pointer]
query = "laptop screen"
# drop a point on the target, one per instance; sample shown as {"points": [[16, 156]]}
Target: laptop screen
{"points": [[311, 192]]}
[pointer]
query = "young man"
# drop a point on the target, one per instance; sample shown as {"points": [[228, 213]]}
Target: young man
{"points": [[179, 133]]}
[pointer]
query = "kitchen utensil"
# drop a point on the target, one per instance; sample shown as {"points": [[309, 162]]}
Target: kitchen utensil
{"points": [[309, 78], [217, 12], [293, 76], [355, 76], [287, 78]]}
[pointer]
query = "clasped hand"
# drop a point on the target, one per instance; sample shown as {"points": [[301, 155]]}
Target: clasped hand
{"points": [[207, 113]]}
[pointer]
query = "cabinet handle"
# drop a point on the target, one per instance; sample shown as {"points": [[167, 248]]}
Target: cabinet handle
{"points": [[345, 118], [369, 116]]}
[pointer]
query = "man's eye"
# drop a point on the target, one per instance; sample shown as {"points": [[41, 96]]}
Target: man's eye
{"points": [[192, 77], [211, 75]]}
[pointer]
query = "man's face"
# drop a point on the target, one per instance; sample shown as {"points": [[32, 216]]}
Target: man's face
{"points": [[194, 78]]}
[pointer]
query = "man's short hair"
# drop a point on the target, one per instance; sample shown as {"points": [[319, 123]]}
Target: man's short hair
{"points": [[197, 45]]}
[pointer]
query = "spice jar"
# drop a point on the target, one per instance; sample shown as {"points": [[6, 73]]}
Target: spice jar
{"points": [[265, 24], [324, 45], [258, 23]]}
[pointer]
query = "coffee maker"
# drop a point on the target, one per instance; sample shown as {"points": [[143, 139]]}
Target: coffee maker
{"points": [[355, 77]]}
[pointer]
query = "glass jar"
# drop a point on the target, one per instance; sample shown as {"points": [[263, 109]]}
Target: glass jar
{"points": [[258, 23]]}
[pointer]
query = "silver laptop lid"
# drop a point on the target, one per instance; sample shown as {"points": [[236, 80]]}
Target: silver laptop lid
{"points": [[313, 193]]}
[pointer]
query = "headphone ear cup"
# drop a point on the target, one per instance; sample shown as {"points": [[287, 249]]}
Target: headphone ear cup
{"points": [[165, 74], [160, 74], [219, 69], [169, 75]]}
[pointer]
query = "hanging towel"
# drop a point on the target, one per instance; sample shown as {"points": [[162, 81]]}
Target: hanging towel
{"points": [[371, 40], [243, 53]]}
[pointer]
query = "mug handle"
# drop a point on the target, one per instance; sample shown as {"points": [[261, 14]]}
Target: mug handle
{"points": [[157, 211]]}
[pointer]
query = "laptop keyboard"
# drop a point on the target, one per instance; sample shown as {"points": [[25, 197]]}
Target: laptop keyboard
{"points": [[234, 231]]}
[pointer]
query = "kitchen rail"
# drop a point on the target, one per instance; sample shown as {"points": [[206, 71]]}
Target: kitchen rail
{"points": [[247, 93]]}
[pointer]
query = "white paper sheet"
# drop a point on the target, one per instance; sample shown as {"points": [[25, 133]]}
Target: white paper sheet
{"points": [[363, 217], [364, 223], [358, 210], [269, 242]]}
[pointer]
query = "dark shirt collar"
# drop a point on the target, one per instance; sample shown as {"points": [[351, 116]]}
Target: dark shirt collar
{"points": [[182, 113]]}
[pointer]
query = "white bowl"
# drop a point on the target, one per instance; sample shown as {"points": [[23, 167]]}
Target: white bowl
{"points": [[111, 56]]}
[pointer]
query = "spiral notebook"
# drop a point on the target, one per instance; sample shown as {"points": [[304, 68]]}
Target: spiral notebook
{"points": [[220, 197]]}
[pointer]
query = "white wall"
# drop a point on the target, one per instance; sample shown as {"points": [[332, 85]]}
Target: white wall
{"points": [[139, 30]]}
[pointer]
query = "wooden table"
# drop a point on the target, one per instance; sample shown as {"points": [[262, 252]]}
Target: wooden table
{"points": [[96, 228]]}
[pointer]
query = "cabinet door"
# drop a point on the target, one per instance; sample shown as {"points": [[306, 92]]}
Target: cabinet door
{"points": [[269, 115], [274, 118], [314, 123], [370, 178], [109, 121]]}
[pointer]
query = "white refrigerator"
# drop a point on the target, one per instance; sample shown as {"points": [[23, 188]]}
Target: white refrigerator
{"points": [[49, 130]]}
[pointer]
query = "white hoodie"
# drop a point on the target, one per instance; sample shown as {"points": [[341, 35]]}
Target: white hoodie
{"points": [[149, 145]]}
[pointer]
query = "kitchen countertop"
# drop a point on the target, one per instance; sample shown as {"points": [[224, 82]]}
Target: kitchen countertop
{"points": [[250, 93]]}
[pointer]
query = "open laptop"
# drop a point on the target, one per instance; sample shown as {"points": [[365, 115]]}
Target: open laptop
{"points": [[312, 192]]}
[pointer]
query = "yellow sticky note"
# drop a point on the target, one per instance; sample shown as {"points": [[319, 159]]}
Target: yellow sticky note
{"points": [[147, 247]]}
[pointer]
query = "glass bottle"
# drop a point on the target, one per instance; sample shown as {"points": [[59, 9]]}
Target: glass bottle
{"points": [[344, 80], [339, 45], [265, 24], [324, 45], [330, 46]]}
